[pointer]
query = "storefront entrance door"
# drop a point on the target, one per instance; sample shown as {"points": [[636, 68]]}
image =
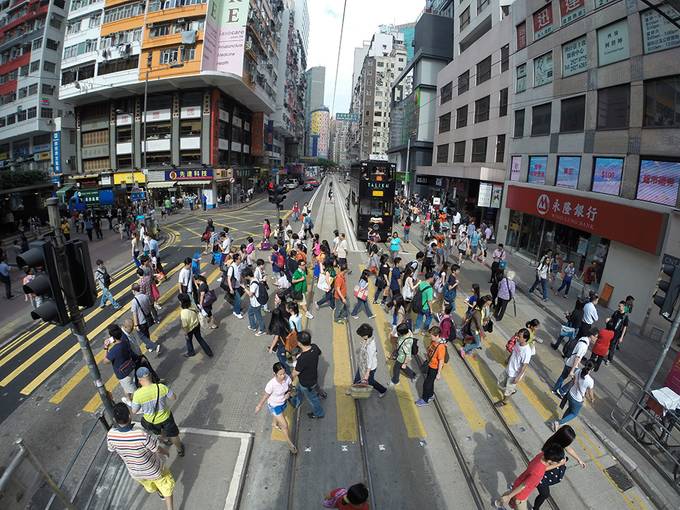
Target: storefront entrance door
{"points": [[530, 234]]}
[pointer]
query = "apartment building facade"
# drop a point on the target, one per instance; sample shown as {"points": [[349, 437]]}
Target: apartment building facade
{"points": [[594, 169], [159, 103]]}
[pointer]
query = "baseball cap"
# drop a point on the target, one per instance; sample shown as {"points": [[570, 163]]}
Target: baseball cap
{"points": [[143, 372]]}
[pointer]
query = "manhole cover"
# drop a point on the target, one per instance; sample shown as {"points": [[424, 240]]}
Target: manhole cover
{"points": [[620, 477]]}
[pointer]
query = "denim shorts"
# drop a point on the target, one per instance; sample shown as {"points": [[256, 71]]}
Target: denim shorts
{"points": [[277, 410]]}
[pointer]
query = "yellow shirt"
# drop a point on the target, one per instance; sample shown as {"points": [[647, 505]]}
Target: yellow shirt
{"points": [[189, 319]]}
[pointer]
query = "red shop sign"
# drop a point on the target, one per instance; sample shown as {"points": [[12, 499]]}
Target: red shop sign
{"points": [[673, 377], [640, 228]]}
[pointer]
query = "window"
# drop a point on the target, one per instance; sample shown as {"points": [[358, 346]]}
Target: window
{"points": [[51, 44], [447, 93], [160, 30], [21, 115], [32, 89], [612, 43], [11, 119], [459, 152], [91, 165], [463, 82], [188, 54], [568, 168], [168, 56], [48, 89], [465, 18], [484, 70], [22, 92], [123, 134], [46, 113], [461, 116], [521, 31], [519, 124], [572, 114], [481, 4], [540, 120], [49, 67], [574, 56], [445, 123], [613, 104], [442, 153], [505, 58], [35, 66], [500, 148], [37, 43], [607, 175], [662, 102], [482, 109], [503, 103], [32, 112], [99, 137], [659, 181], [478, 150], [123, 12], [521, 83]]}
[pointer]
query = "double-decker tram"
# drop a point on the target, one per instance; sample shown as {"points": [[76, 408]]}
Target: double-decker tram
{"points": [[370, 202]]}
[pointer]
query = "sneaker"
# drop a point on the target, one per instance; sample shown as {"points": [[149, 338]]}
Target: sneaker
{"points": [[126, 401], [606, 362], [158, 349], [187, 355], [219, 280], [462, 353], [238, 315], [381, 395], [371, 316], [390, 384], [259, 333], [539, 340], [251, 329], [555, 425], [309, 315], [355, 316], [422, 403], [116, 307], [348, 392], [313, 416]]}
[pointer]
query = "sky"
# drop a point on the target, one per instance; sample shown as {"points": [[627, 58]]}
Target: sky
{"points": [[362, 19]]}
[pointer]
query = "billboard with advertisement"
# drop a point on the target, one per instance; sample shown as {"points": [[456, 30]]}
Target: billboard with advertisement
{"points": [[319, 132], [543, 22], [633, 226], [515, 168], [496, 196], [657, 32], [543, 69], [658, 182], [575, 56], [607, 175], [568, 168], [225, 36], [537, 166], [612, 43], [571, 10], [484, 195]]}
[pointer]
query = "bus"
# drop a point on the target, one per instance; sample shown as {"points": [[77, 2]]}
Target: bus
{"points": [[370, 201]]}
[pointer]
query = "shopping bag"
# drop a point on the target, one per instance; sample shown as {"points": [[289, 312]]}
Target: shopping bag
{"points": [[360, 390]]}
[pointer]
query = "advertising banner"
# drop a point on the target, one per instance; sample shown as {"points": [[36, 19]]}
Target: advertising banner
{"points": [[659, 182], [543, 69], [571, 10], [543, 22], [607, 175], [633, 226], [612, 43], [224, 36], [657, 32], [567, 171], [515, 168], [575, 56], [484, 196], [56, 153], [537, 166], [189, 174], [496, 196]]}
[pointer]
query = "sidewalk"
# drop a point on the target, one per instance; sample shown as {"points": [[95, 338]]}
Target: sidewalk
{"points": [[634, 361]]}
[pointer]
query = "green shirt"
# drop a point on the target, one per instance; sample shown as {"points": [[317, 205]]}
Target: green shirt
{"points": [[300, 286], [404, 345], [144, 399], [427, 292]]}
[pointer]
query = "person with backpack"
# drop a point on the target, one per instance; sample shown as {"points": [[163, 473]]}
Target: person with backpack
{"points": [[206, 299], [191, 325], [403, 353], [517, 365], [437, 356], [473, 326], [280, 328], [423, 299], [234, 284], [382, 281], [542, 274], [573, 360], [440, 286], [574, 321], [207, 235], [254, 291], [580, 389], [506, 293], [446, 324], [120, 356], [368, 361], [325, 285], [142, 314], [103, 279], [278, 260], [307, 225]]}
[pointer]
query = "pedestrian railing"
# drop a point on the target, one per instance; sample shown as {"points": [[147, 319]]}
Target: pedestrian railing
{"points": [[654, 430]]}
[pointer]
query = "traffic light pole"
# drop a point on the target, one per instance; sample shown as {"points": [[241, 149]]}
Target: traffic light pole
{"points": [[77, 320]]}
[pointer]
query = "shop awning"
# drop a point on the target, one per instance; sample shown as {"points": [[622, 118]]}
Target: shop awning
{"points": [[192, 183], [61, 192], [160, 184]]}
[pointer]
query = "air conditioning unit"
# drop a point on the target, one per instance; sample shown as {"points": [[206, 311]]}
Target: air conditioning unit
{"points": [[150, 25]]}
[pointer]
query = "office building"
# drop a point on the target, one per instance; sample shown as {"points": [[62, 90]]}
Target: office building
{"points": [[315, 79]]}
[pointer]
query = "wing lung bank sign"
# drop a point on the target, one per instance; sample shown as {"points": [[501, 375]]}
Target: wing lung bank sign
{"points": [[225, 35], [640, 228]]}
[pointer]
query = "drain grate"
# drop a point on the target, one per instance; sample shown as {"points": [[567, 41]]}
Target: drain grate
{"points": [[620, 477]]}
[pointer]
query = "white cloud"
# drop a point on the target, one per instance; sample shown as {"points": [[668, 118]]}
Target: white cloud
{"points": [[362, 19]]}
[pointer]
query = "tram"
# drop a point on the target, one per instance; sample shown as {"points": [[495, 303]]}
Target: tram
{"points": [[370, 201]]}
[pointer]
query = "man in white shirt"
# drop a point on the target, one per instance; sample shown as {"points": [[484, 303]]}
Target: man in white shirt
{"points": [[186, 279], [341, 250], [234, 283], [456, 219], [336, 241], [517, 367], [226, 241], [590, 316], [573, 361], [255, 319]]}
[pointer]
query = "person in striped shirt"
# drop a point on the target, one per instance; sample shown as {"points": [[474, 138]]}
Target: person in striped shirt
{"points": [[141, 452]]}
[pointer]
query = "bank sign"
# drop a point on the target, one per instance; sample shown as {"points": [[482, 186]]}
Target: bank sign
{"points": [[189, 174], [640, 228]]}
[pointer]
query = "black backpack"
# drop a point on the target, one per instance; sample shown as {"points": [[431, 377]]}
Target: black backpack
{"points": [[106, 278], [262, 295], [417, 302], [569, 347]]}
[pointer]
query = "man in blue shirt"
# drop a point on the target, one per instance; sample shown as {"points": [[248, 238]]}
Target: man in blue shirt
{"points": [[5, 278]]}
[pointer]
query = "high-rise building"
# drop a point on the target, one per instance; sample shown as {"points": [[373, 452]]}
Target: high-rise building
{"points": [[315, 79], [171, 93], [385, 60], [319, 133], [31, 36], [339, 132]]}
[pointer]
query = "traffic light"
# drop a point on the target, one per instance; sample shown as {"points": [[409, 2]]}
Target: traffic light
{"points": [[670, 289], [277, 196], [41, 258], [81, 273]]}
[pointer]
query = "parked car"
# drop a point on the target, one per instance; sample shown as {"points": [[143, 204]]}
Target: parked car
{"points": [[291, 184], [312, 181], [307, 187]]}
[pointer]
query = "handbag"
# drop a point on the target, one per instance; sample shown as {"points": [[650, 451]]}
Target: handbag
{"points": [[333, 500], [209, 298], [148, 316], [565, 398], [488, 327], [360, 391], [296, 295], [323, 283], [360, 293], [155, 293], [291, 341]]}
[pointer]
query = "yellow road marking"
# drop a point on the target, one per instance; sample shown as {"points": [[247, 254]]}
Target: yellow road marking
{"points": [[95, 401], [465, 403], [278, 435], [405, 398], [64, 357], [342, 377]]}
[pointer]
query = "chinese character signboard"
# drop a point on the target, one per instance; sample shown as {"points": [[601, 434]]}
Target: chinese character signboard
{"points": [[612, 43], [659, 182], [641, 228], [607, 175], [484, 195], [543, 22], [521, 35], [575, 56], [657, 32], [348, 117], [600, 3], [515, 168], [496, 196], [537, 166], [571, 10], [567, 171], [189, 174], [543, 69], [56, 153], [225, 34]]}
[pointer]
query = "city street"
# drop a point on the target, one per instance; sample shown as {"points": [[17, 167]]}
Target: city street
{"points": [[461, 449]]}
